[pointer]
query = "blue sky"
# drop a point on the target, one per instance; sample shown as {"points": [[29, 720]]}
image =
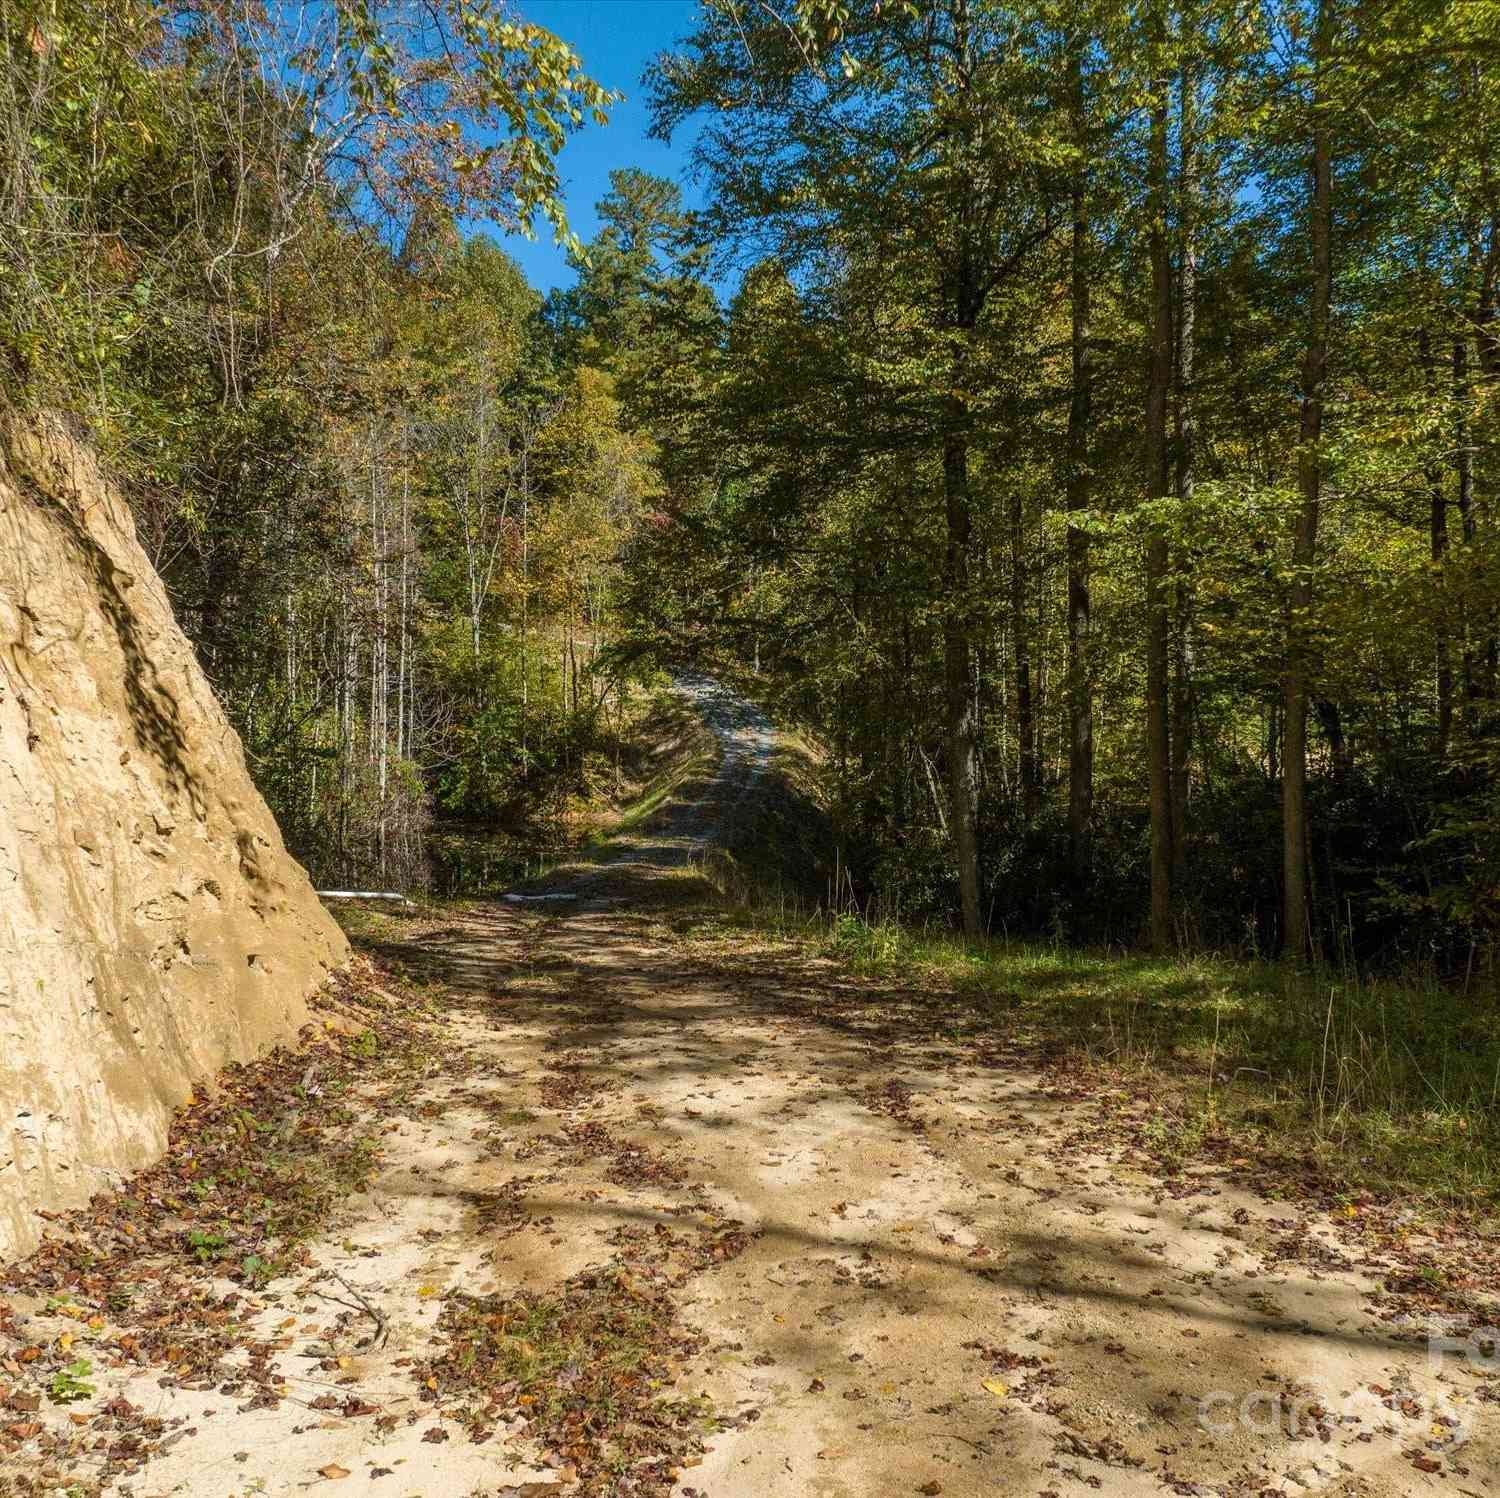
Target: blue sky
{"points": [[616, 39]]}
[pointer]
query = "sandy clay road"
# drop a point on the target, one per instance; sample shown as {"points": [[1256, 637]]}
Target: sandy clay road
{"points": [[902, 1264]]}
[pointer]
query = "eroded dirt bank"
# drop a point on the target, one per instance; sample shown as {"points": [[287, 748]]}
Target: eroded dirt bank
{"points": [[654, 1207], [152, 926]]}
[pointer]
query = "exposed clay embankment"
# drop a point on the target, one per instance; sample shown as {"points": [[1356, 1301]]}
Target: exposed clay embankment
{"points": [[152, 925]]}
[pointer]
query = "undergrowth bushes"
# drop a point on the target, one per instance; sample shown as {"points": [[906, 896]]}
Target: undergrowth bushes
{"points": [[1400, 865]]}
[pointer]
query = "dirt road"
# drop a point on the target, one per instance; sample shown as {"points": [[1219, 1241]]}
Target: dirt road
{"points": [[657, 1166], [692, 821]]}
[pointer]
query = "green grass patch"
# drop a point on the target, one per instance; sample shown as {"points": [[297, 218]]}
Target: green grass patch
{"points": [[672, 751], [634, 816]]}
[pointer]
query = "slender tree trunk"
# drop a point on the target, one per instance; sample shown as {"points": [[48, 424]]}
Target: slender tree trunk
{"points": [[1183, 654], [349, 679], [957, 661], [379, 675], [1486, 326], [573, 661], [1464, 463], [291, 652], [371, 591], [1028, 768], [1079, 488], [525, 609], [1331, 721], [403, 664], [1487, 351], [1438, 536], [1295, 932], [1183, 703], [1158, 742]]}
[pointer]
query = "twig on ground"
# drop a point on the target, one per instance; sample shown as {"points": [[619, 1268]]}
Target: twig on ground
{"points": [[361, 1303]]}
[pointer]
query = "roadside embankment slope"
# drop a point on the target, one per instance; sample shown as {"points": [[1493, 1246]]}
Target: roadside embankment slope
{"points": [[152, 925]]}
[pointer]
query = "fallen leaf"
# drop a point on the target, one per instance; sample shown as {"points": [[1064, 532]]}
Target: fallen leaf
{"points": [[333, 1470], [996, 1387]]}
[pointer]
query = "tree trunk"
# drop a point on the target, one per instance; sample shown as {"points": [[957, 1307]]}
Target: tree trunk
{"points": [[573, 661], [1158, 742], [1028, 767], [525, 611], [1295, 932], [1464, 462], [1486, 327], [1187, 291], [1331, 721], [957, 658], [1079, 485], [1487, 347], [403, 668], [1438, 536]]}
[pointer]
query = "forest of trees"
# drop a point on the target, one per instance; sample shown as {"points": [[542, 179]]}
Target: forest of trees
{"points": [[386, 507], [1113, 477], [1084, 418]]}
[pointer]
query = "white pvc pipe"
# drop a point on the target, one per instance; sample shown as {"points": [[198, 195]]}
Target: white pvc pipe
{"points": [[361, 894]]}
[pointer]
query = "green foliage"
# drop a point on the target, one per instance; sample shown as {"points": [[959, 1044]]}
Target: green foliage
{"points": [[404, 505], [388, 513], [911, 178], [206, 1246], [71, 1384], [382, 113]]}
